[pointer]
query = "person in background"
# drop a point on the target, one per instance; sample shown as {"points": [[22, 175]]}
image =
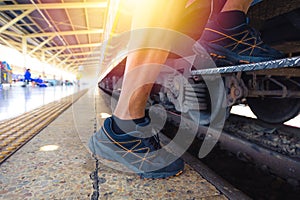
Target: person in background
{"points": [[27, 77], [40, 82]]}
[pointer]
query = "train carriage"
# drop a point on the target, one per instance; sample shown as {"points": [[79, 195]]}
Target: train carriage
{"points": [[271, 89]]}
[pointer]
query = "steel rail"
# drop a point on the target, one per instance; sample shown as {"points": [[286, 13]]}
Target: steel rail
{"points": [[277, 163]]}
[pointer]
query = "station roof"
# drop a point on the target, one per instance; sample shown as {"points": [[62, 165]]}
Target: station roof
{"points": [[66, 33], [69, 33]]}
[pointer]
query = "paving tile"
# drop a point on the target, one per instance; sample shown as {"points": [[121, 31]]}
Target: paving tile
{"points": [[64, 173]]}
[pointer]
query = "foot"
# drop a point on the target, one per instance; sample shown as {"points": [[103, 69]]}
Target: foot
{"points": [[143, 155], [232, 46]]}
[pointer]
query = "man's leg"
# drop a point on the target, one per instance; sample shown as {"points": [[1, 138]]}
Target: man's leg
{"points": [[230, 40], [219, 5], [167, 15], [148, 14], [241, 5], [119, 138], [133, 107], [233, 13]]}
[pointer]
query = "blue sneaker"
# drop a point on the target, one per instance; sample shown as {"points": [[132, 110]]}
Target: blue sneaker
{"points": [[238, 45], [144, 156]]}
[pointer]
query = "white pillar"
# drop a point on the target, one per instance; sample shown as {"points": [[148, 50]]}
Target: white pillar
{"points": [[24, 51]]}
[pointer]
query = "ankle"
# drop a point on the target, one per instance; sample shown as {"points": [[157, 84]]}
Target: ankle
{"points": [[230, 19], [231, 5], [121, 126]]}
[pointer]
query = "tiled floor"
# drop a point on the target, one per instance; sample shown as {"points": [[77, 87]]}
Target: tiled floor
{"points": [[62, 172], [17, 100]]}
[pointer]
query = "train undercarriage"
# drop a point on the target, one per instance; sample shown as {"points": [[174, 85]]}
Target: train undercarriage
{"points": [[272, 94], [270, 89]]}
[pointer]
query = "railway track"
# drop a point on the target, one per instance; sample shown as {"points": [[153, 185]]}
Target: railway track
{"points": [[247, 159], [16, 132], [275, 148]]}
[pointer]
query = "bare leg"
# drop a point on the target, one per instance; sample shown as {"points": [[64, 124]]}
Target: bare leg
{"points": [[242, 5], [137, 102], [149, 14], [229, 5]]}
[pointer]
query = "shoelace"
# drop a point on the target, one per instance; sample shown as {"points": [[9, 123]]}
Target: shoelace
{"points": [[154, 141], [255, 33]]}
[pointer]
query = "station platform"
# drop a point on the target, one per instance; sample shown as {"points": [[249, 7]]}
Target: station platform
{"points": [[16, 100], [56, 164]]}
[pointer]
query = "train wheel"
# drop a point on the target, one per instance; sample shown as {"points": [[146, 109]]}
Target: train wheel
{"points": [[274, 110]]}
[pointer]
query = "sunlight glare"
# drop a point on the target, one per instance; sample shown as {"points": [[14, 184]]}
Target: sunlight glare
{"points": [[49, 148]]}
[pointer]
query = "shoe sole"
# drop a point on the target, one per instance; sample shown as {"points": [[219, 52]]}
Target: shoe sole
{"points": [[107, 153], [160, 176]]}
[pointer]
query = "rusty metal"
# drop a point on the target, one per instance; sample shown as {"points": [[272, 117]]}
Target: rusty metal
{"points": [[277, 163], [288, 72], [284, 92], [225, 188], [274, 93], [282, 165], [237, 88]]}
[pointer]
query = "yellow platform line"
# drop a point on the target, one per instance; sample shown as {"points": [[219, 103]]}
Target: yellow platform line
{"points": [[33, 113], [30, 124], [5, 126], [8, 131], [15, 132], [14, 120]]}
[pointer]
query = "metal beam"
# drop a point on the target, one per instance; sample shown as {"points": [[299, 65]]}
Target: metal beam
{"points": [[6, 42], [82, 54], [43, 56], [40, 45], [12, 33], [43, 6], [64, 61], [67, 67], [55, 55], [24, 45], [18, 44], [12, 22], [79, 32], [74, 46], [85, 59], [88, 63], [87, 22]]}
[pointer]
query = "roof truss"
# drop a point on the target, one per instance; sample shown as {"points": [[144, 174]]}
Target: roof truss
{"points": [[62, 32]]}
